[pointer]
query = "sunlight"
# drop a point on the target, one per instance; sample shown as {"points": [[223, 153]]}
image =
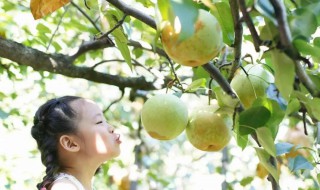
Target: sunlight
{"points": [[101, 146]]}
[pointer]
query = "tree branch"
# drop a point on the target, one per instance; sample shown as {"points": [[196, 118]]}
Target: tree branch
{"points": [[87, 16], [62, 64], [134, 12], [237, 38], [289, 49], [256, 39]]}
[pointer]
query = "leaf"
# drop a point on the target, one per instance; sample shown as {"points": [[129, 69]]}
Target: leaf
{"points": [[196, 84], [266, 140], [245, 181], [40, 8], [222, 12], [306, 48], [299, 163], [187, 13], [277, 114], [242, 140], [224, 100], [125, 52], [293, 106], [302, 22], [253, 118], [284, 72], [43, 29], [313, 107], [112, 16], [264, 160], [283, 148], [164, 7]]}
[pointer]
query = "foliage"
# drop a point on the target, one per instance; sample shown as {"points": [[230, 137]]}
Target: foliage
{"points": [[111, 52]]}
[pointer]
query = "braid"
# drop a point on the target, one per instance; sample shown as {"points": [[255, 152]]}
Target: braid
{"points": [[52, 119]]}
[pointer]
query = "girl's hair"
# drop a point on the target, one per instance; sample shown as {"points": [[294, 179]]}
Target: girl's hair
{"points": [[52, 119]]}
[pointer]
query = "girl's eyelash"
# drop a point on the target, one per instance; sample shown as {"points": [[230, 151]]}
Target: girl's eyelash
{"points": [[99, 122]]}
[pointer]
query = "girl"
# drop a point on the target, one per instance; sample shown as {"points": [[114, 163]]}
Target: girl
{"points": [[74, 139]]}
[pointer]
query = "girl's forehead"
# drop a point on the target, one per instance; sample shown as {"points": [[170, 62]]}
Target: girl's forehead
{"points": [[86, 107]]}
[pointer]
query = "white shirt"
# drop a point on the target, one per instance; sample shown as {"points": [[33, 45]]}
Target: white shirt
{"points": [[71, 178]]}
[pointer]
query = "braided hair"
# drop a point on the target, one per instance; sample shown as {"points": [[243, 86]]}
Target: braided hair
{"points": [[52, 119]]}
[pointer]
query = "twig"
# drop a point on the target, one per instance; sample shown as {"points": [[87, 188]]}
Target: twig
{"points": [[92, 45], [87, 16], [115, 101], [134, 12], [285, 40], [55, 32], [237, 38], [274, 183], [256, 39], [176, 78], [119, 23]]}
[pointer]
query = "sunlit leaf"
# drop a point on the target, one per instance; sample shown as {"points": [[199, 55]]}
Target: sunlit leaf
{"points": [[306, 48], [196, 84], [302, 22], [264, 160], [40, 8], [266, 140], [284, 72], [242, 140]]}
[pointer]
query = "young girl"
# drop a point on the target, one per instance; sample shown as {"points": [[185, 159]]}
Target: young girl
{"points": [[74, 139]]}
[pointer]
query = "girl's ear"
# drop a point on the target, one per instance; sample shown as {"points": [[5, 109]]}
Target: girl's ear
{"points": [[69, 143]]}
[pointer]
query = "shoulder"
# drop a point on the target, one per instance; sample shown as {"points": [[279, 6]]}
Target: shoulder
{"points": [[63, 184]]}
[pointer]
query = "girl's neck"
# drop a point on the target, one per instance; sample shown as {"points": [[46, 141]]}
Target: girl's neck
{"points": [[84, 176]]}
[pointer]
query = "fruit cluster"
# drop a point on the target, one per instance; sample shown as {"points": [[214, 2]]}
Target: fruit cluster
{"points": [[165, 116]]}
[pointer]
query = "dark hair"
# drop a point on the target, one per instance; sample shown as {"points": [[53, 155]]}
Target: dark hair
{"points": [[53, 118]]}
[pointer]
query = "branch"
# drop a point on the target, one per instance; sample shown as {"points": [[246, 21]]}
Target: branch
{"points": [[237, 38], [62, 64], [127, 9], [286, 44], [93, 45], [87, 16], [256, 39]]}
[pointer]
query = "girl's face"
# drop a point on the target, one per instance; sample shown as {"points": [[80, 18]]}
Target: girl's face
{"points": [[98, 137]]}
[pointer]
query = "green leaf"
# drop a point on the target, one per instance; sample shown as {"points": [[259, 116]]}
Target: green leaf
{"points": [[242, 140], [299, 163], [253, 118], [313, 107], [277, 114], [196, 84], [283, 148], [306, 48], [302, 22], [293, 106], [125, 52], [284, 72], [164, 8], [224, 17], [42, 29], [245, 181], [224, 100], [187, 14], [266, 140], [264, 160]]}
